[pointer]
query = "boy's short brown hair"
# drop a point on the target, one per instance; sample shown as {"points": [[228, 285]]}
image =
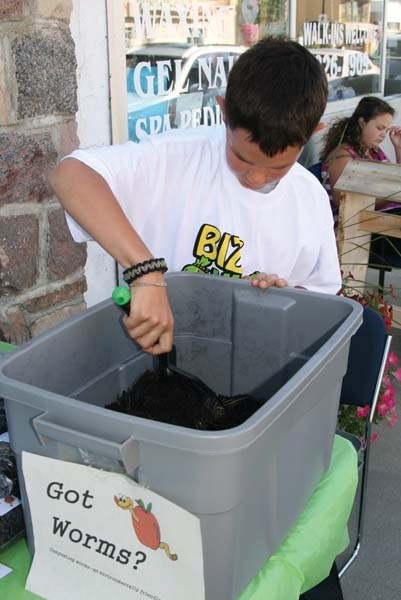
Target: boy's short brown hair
{"points": [[277, 90]]}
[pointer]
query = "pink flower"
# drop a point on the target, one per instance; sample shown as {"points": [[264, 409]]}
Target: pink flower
{"points": [[388, 395], [373, 437], [392, 359], [363, 412], [391, 402], [386, 408], [382, 408]]}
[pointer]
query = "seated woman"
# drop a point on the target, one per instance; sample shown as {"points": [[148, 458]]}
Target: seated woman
{"points": [[359, 137]]}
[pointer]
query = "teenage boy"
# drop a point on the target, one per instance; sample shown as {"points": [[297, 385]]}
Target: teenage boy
{"points": [[229, 200]]}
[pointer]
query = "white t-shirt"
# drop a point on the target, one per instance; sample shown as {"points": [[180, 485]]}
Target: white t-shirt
{"points": [[180, 195]]}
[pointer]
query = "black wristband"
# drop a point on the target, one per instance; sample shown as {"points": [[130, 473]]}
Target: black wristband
{"points": [[148, 266]]}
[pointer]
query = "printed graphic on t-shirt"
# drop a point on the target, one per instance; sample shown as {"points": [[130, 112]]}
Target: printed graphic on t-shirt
{"points": [[216, 253]]}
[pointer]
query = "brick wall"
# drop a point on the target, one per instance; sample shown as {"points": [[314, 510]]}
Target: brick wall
{"points": [[41, 269]]}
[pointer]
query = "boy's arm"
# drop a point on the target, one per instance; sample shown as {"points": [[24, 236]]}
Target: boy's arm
{"points": [[86, 196]]}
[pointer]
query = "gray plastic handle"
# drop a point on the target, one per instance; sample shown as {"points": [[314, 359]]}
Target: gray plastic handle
{"points": [[127, 452]]}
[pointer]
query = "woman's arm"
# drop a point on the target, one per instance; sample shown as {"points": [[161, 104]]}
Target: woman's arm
{"points": [[86, 196]]}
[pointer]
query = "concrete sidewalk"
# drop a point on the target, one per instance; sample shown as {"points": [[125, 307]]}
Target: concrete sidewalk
{"points": [[376, 573]]}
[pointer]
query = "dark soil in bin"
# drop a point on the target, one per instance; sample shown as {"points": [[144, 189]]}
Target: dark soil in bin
{"points": [[173, 399]]}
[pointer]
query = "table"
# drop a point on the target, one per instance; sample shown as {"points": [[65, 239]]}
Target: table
{"points": [[301, 562], [362, 183]]}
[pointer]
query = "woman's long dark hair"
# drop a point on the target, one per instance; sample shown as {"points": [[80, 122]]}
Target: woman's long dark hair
{"points": [[348, 131]]}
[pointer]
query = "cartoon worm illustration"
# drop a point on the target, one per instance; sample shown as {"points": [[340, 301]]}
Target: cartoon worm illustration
{"points": [[145, 523]]}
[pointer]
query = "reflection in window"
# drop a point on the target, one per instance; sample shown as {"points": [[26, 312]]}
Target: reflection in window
{"points": [[179, 53], [344, 36], [175, 85], [393, 49], [178, 56]]}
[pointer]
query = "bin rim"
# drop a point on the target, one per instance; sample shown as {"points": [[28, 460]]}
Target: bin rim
{"points": [[240, 436]]}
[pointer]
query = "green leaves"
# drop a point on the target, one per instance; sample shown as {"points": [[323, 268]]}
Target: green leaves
{"points": [[141, 504]]}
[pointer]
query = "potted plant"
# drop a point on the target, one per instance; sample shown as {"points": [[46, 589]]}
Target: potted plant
{"points": [[351, 418]]}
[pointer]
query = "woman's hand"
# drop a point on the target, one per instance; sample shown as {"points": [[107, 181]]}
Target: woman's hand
{"points": [[395, 137]]}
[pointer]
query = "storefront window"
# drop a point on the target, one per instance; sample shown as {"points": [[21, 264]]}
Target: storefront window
{"points": [[392, 83], [179, 52], [178, 56], [345, 37]]}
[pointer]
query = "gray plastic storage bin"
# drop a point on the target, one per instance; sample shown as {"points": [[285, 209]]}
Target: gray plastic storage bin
{"points": [[247, 484]]}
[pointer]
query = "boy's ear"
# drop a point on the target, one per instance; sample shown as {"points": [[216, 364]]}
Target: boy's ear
{"points": [[221, 103], [319, 127]]}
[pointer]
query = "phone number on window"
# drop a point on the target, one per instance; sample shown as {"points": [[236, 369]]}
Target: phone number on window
{"points": [[348, 65]]}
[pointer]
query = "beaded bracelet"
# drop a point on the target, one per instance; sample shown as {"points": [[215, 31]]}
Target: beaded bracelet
{"points": [[148, 266]]}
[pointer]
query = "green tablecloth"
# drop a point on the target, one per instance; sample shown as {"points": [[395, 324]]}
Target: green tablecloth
{"points": [[303, 559]]}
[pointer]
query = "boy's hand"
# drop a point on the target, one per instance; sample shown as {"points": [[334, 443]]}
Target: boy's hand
{"points": [[151, 321], [264, 281]]}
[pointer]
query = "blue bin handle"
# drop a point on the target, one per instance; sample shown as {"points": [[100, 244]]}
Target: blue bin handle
{"points": [[127, 452]]}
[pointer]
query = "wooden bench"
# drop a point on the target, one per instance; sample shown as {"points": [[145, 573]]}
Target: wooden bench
{"points": [[361, 184]]}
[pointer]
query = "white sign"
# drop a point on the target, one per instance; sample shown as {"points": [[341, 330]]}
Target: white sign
{"points": [[4, 570], [100, 535]]}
